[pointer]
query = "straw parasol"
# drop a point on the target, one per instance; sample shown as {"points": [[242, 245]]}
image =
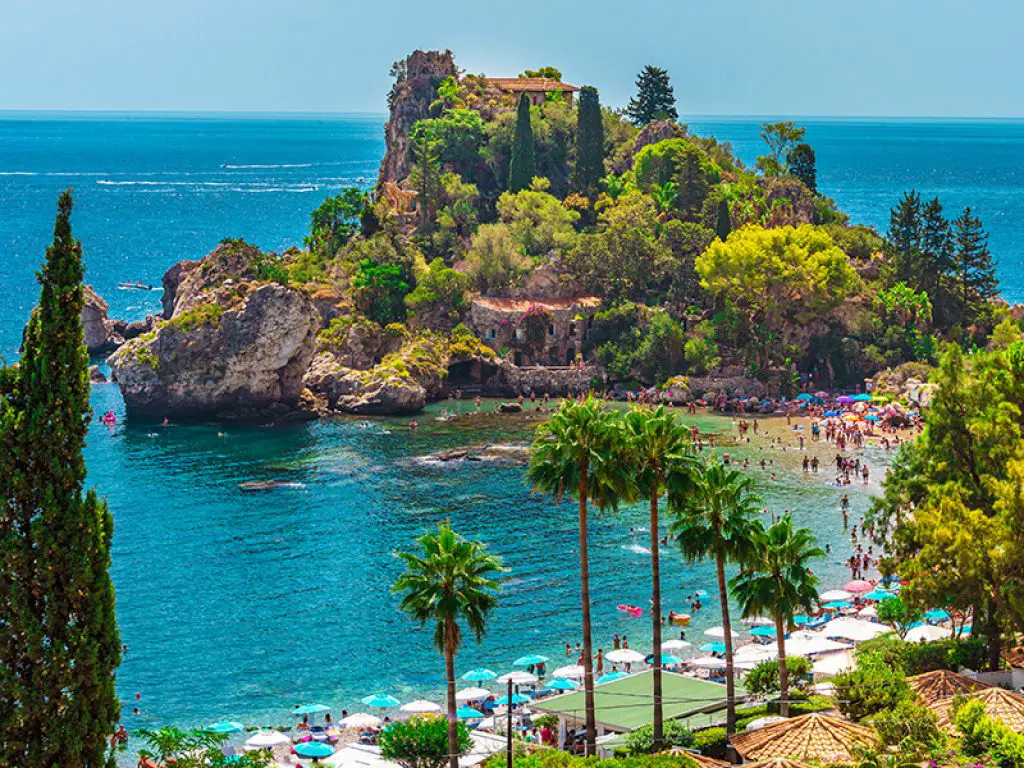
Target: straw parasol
{"points": [[1000, 704], [701, 760], [809, 737], [943, 684]]}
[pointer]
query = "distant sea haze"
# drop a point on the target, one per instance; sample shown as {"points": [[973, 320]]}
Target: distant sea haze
{"points": [[154, 189]]}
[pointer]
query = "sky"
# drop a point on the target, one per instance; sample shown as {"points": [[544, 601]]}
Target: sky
{"points": [[905, 58]]}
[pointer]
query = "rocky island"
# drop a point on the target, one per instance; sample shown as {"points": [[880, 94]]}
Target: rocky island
{"points": [[522, 237]]}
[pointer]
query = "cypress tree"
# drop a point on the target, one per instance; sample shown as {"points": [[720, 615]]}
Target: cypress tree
{"points": [[803, 164], [723, 222], [589, 142], [522, 167], [976, 272], [59, 644], [655, 99]]}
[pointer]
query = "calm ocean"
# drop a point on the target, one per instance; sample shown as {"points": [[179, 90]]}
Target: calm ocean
{"points": [[238, 605]]}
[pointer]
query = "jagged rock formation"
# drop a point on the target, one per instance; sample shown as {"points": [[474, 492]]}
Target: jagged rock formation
{"points": [[99, 329], [233, 346], [172, 279], [414, 89]]}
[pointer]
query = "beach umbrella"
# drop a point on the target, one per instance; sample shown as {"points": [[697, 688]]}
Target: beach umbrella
{"points": [[719, 633], [862, 398], [381, 701], [518, 677], [264, 739], [801, 619], [667, 659], [715, 647], [310, 709], [926, 633], [837, 605], [758, 621], [472, 694], [224, 726], [517, 698], [360, 720], [611, 676], [561, 684], [763, 631], [479, 675], [805, 397], [858, 586], [835, 594], [623, 656], [936, 614], [468, 713], [878, 594], [313, 749], [530, 660], [831, 414], [674, 645], [856, 630], [868, 612], [844, 399], [761, 722], [871, 417], [573, 670], [420, 707], [708, 662]]}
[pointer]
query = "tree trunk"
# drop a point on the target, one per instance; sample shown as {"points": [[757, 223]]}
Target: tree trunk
{"points": [[730, 685], [656, 622], [780, 635], [995, 639], [453, 720], [588, 646]]}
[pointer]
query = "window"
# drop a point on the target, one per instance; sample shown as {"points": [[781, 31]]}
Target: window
{"points": [[491, 333], [551, 330]]}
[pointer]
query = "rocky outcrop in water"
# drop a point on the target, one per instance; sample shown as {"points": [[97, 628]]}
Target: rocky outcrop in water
{"points": [[100, 335], [172, 279], [233, 346], [414, 89]]}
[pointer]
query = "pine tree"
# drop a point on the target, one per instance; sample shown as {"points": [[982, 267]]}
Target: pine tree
{"points": [[654, 100], [425, 174], [60, 645], [976, 273], [937, 267], [522, 167], [589, 143], [905, 238], [802, 163], [723, 222]]}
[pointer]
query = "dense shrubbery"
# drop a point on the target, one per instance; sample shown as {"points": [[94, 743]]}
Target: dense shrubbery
{"points": [[553, 758], [675, 734]]}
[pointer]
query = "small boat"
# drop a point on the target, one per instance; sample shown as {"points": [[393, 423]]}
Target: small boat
{"points": [[268, 485], [632, 610], [138, 285]]}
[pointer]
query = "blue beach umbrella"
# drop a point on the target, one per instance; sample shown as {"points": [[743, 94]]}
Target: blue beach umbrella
{"points": [[764, 631], [532, 659], [667, 659], [224, 726], [837, 605], [611, 676], [863, 398], [830, 414], [801, 619], [936, 614], [310, 709], [561, 684], [381, 700], [468, 713], [805, 397], [871, 417], [517, 698], [313, 749], [878, 594], [715, 647], [479, 675]]}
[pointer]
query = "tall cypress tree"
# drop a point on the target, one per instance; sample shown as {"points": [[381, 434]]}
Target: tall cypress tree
{"points": [[655, 99], [589, 143], [59, 643], [976, 272], [723, 222], [904, 237], [523, 166], [803, 164]]}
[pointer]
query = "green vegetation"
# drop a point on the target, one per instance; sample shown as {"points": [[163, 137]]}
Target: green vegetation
{"points": [[711, 741], [553, 758], [195, 749], [421, 742], [643, 740], [589, 143], [654, 100], [335, 222], [523, 166], [61, 644], [204, 314]]}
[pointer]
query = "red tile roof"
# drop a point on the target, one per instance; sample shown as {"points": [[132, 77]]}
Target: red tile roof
{"points": [[530, 84]]}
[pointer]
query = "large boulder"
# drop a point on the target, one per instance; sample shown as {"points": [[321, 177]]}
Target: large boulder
{"points": [[376, 391], [100, 335], [213, 360], [172, 279]]}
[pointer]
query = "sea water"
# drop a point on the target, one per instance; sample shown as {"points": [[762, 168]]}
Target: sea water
{"points": [[239, 604]]}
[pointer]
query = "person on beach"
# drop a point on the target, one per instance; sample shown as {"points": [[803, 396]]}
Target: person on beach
{"points": [[616, 642], [600, 661]]}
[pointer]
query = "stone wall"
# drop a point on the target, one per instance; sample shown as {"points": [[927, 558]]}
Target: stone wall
{"points": [[500, 323]]}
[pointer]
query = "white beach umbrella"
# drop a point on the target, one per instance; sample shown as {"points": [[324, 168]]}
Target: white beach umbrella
{"points": [[624, 656], [758, 621], [756, 652], [672, 645], [573, 670], [868, 612], [926, 633], [834, 594], [472, 694], [708, 662], [761, 722], [421, 706], [264, 739], [856, 630], [519, 677], [831, 664], [360, 720], [815, 643], [718, 633]]}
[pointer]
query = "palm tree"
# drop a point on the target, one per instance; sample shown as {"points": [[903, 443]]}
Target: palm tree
{"points": [[777, 579], [714, 520], [579, 452], [448, 580], [659, 460]]}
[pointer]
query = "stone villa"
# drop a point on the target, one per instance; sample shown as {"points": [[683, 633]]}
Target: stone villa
{"points": [[544, 332], [536, 88]]}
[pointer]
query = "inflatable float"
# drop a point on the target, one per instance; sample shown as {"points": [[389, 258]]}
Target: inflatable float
{"points": [[679, 619], [632, 610]]}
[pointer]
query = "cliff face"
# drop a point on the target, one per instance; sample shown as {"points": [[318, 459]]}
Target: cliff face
{"points": [[414, 89]]}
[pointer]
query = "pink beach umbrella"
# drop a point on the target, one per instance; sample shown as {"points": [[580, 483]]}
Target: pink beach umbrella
{"points": [[859, 586]]}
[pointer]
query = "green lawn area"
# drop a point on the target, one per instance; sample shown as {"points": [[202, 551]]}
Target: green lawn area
{"points": [[624, 705]]}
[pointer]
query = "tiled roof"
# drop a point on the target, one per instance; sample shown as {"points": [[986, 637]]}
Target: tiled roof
{"points": [[702, 760], [531, 84], [809, 737], [1000, 704], [776, 762], [943, 684], [521, 305]]}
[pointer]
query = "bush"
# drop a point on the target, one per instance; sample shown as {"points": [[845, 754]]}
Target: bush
{"points": [[711, 742], [917, 658], [984, 736], [870, 688], [641, 741], [421, 742], [763, 679], [908, 724], [555, 758]]}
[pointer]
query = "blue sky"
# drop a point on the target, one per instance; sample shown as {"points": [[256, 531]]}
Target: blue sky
{"points": [[744, 57]]}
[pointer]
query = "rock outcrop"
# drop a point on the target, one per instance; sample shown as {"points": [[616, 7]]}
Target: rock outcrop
{"points": [[233, 347], [172, 279], [100, 335], [414, 89]]}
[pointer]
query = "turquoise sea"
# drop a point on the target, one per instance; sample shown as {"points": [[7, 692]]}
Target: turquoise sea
{"points": [[238, 605]]}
